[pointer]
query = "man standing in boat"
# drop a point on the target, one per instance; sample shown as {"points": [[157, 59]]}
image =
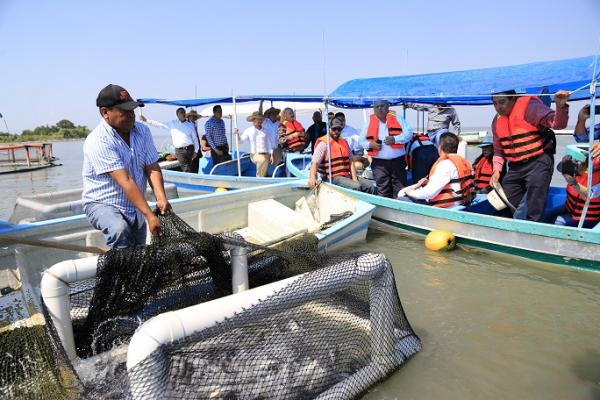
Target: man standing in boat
{"points": [[439, 119], [217, 139], [520, 132], [271, 126], [384, 138], [119, 157], [342, 168], [184, 137], [261, 148]]}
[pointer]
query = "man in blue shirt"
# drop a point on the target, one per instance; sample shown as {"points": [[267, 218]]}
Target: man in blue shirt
{"points": [[215, 135], [119, 157]]}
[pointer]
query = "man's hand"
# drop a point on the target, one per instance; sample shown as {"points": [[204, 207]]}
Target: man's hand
{"points": [[163, 205], [389, 140], [312, 182], [494, 179], [374, 145], [142, 118], [596, 150], [584, 113], [561, 97], [423, 181], [153, 224]]}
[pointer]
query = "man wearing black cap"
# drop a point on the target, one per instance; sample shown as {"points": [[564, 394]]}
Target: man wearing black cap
{"points": [[119, 157]]}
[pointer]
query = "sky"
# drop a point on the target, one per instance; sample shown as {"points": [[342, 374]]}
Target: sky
{"points": [[55, 56]]}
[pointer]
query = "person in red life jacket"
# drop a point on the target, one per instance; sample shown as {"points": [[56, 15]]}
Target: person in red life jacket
{"points": [[450, 181], [576, 175], [421, 154], [342, 168], [384, 138], [483, 167], [521, 131], [294, 132]]}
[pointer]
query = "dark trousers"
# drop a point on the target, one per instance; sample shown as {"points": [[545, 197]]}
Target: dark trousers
{"points": [[184, 156], [532, 178], [423, 158], [390, 175], [222, 158]]}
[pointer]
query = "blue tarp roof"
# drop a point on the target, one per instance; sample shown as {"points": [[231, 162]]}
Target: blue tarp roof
{"points": [[229, 99], [471, 87]]}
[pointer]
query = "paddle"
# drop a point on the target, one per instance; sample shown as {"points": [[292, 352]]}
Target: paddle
{"points": [[50, 244]]}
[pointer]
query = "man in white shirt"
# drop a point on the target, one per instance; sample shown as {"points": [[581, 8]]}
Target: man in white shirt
{"points": [[384, 138], [270, 126], [450, 181], [353, 138], [183, 134], [261, 148]]}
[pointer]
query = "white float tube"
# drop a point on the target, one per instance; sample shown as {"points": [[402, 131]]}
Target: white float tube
{"points": [[55, 292]]}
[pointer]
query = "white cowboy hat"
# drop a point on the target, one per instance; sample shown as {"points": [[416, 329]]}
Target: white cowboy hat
{"points": [[498, 199]]}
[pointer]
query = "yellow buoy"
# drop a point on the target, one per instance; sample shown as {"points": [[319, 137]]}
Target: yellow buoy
{"points": [[440, 240], [220, 190]]}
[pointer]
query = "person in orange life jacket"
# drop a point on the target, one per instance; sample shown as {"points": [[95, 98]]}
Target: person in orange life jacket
{"points": [[520, 131], [450, 181], [294, 132], [342, 169], [384, 138], [576, 175], [483, 167]]}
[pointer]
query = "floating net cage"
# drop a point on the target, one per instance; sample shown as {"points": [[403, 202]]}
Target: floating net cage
{"points": [[311, 326]]}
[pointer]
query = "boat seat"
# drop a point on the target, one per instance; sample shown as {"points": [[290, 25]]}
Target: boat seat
{"points": [[270, 220]]}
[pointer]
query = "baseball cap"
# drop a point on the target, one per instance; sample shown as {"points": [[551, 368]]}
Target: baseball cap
{"points": [[116, 96], [336, 123]]}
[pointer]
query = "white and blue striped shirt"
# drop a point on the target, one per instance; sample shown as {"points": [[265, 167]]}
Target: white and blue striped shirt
{"points": [[104, 151]]}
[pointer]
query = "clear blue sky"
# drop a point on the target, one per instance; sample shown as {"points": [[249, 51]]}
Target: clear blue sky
{"points": [[56, 55]]}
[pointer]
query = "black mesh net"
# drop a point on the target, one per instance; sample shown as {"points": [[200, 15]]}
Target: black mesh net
{"points": [[334, 330]]}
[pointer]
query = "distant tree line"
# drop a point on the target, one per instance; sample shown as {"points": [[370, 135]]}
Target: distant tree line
{"points": [[64, 129]]}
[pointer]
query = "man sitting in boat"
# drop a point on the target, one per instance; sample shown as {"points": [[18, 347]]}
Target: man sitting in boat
{"points": [[384, 138], [353, 138], [184, 137], [294, 135], [520, 131], [343, 172], [576, 175], [118, 158], [261, 148], [315, 131], [484, 168], [450, 181]]}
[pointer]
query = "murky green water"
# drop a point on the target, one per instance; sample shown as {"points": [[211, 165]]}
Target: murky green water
{"points": [[492, 326]]}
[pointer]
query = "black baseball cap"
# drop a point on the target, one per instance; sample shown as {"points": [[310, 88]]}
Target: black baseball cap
{"points": [[116, 96]]}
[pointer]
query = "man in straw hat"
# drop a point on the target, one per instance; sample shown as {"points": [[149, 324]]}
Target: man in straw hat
{"points": [[261, 148], [522, 132], [183, 135], [119, 157], [193, 117], [270, 127]]}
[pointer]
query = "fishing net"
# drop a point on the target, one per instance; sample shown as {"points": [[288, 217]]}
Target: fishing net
{"points": [[333, 331]]}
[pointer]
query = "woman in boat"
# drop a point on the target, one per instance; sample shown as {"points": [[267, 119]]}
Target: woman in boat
{"points": [[295, 136], [576, 175], [483, 167]]}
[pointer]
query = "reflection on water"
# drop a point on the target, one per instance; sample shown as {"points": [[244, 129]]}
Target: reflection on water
{"points": [[492, 326]]}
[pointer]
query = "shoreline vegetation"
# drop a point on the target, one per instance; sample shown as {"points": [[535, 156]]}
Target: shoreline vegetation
{"points": [[62, 130]]}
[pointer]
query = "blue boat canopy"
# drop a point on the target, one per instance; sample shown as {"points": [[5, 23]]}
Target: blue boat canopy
{"points": [[238, 99], [471, 87]]}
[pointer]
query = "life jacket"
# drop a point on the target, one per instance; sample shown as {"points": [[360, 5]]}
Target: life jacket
{"points": [[484, 168], [519, 139], [419, 139], [447, 197], [340, 158], [576, 202], [291, 127], [394, 129]]}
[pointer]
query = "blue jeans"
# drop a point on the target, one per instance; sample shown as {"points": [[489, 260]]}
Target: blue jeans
{"points": [[118, 232], [567, 220]]}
